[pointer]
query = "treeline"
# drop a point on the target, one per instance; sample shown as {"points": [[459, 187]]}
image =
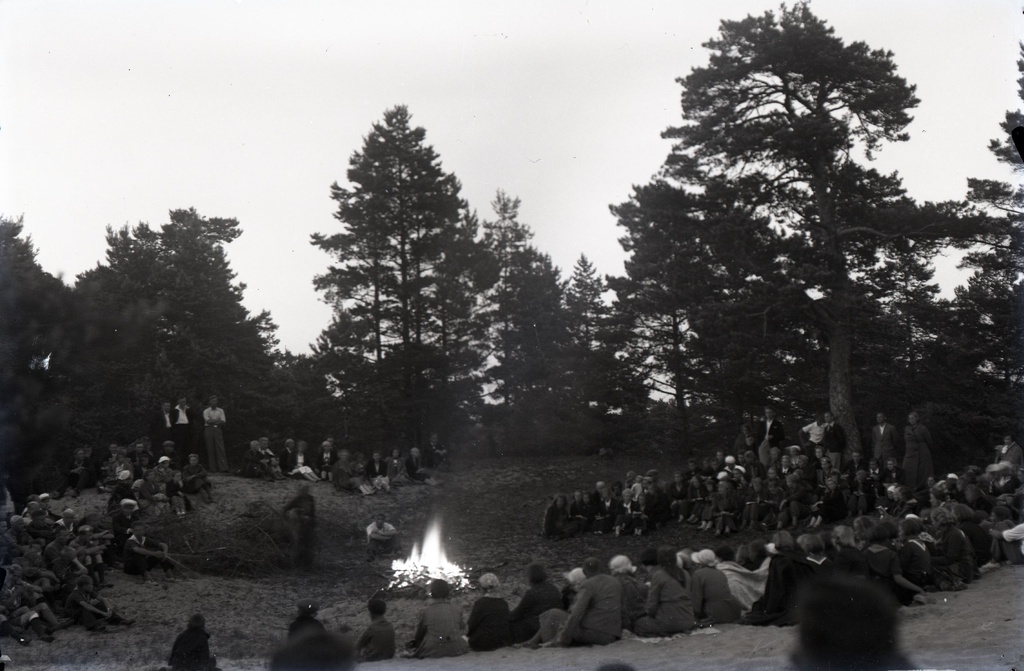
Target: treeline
{"points": [[768, 262]]}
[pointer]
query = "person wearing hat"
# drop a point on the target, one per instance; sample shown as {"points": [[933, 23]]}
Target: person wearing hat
{"points": [[488, 624], [121, 523], [41, 527], [634, 593], [596, 615], [143, 554], [305, 623], [439, 630], [214, 420]]}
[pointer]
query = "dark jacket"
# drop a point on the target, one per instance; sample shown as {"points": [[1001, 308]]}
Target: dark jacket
{"points": [[191, 651], [488, 627]]}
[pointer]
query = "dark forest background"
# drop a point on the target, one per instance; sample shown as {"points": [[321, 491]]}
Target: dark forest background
{"points": [[768, 262]]}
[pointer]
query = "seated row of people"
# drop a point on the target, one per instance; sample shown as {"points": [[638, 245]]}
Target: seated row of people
{"points": [[746, 495]]}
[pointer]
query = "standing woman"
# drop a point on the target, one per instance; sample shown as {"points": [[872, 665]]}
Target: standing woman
{"points": [[917, 462], [669, 608]]}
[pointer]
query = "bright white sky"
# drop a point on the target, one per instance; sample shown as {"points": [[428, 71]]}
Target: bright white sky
{"points": [[114, 112]]}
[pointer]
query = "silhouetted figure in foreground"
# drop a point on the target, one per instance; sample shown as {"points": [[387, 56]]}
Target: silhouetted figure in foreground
{"points": [[847, 623]]}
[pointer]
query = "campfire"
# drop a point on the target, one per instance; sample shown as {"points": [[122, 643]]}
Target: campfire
{"points": [[424, 565]]}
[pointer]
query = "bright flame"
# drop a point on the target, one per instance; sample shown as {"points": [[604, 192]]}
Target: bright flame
{"points": [[423, 566]]}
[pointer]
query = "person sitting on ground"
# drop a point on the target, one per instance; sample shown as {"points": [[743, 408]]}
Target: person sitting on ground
{"points": [[981, 542], [305, 623], [787, 573], [191, 649], [915, 560], [256, 464], [195, 479], [797, 503], [847, 624], [831, 506], [488, 625], [377, 642], [90, 554], [41, 527], [299, 462], [710, 594], [396, 469], [344, 475], [77, 476], [272, 461], [884, 566], [557, 522], [746, 585], [121, 524], [848, 557], [580, 510], [669, 604], [317, 652], [22, 606], [324, 460], [381, 537], [416, 467], [596, 615], [90, 610], [1007, 539], [376, 472], [286, 457], [552, 621], [439, 630], [143, 554], [634, 593], [540, 597], [953, 562]]}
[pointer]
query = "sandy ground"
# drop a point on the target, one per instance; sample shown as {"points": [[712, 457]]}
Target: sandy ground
{"points": [[976, 629]]}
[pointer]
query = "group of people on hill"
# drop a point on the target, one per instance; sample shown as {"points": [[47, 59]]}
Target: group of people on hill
{"points": [[785, 488]]}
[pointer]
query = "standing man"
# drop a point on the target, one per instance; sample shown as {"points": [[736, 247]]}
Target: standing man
{"points": [[1010, 451], [160, 425], [182, 426], [834, 441], [214, 421], [883, 439], [917, 461], [770, 433], [815, 432]]}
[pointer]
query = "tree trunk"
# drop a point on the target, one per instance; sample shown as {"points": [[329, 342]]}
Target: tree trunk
{"points": [[840, 383]]}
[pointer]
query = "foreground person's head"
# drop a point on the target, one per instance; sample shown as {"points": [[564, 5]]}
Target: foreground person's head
{"points": [[847, 623], [315, 652]]}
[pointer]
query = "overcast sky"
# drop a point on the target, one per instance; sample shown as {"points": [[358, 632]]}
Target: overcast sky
{"points": [[112, 113]]}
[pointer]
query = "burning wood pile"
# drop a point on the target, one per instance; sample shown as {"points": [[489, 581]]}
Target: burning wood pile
{"points": [[415, 573]]}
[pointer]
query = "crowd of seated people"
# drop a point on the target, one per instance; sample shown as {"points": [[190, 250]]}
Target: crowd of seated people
{"points": [[674, 591], [790, 490]]}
